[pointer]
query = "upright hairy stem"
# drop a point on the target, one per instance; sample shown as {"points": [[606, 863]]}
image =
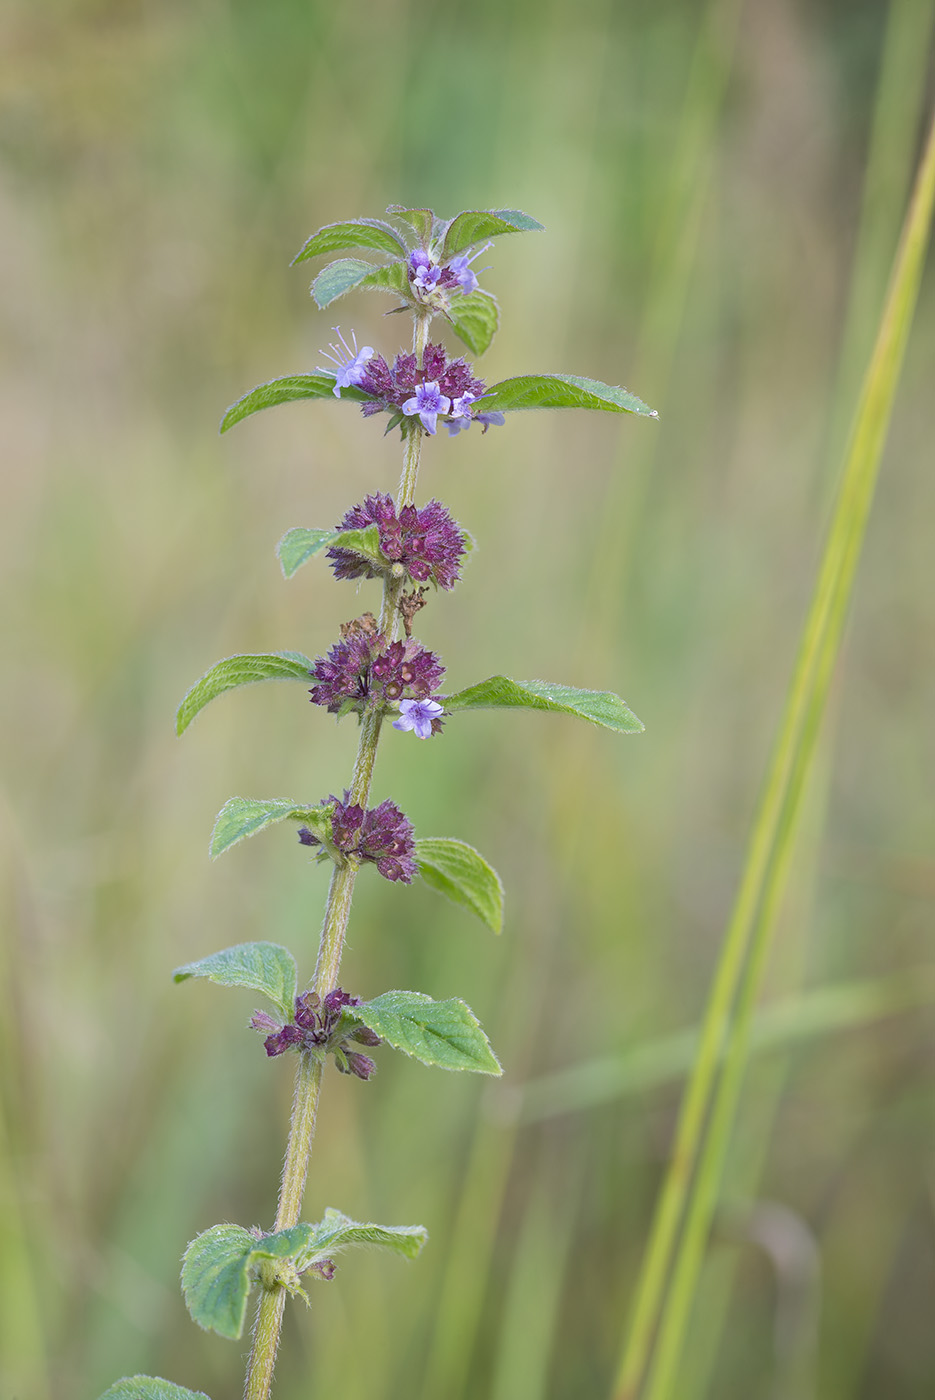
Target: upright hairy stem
{"points": [[331, 945]]}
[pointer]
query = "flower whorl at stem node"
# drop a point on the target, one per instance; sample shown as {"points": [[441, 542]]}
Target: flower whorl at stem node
{"points": [[363, 672], [382, 835], [316, 1026], [427, 541]]}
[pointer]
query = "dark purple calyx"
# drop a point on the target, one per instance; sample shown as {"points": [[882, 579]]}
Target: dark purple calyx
{"points": [[425, 541], [439, 387], [382, 835], [362, 671], [316, 1025]]}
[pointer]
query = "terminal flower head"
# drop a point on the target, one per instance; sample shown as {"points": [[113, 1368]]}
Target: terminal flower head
{"points": [[350, 364], [461, 270], [423, 273]]}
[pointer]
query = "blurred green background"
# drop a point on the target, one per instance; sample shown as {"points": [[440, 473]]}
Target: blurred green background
{"points": [[722, 185]]}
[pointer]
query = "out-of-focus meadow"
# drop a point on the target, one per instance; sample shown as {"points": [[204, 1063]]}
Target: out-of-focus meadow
{"points": [[722, 186]]}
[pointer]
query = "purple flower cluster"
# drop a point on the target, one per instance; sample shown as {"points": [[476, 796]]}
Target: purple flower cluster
{"points": [[441, 386], [381, 834], [362, 670], [314, 1025], [428, 276], [426, 541]]}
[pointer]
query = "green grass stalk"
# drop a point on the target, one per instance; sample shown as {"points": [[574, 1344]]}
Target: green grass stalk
{"points": [[690, 1188]]}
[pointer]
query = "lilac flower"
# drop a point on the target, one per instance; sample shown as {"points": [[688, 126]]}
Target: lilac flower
{"points": [[488, 420], [351, 364], [420, 716], [428, 402], [423, 273], [382, 835], [362, 670], [426, 541], [315, 1025], [463, 273]]}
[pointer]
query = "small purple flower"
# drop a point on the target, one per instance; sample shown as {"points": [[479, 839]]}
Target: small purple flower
{"points": [[382, 835], [419, 715], [351, 364], [423, 273], [428, 402], [463, 273]]}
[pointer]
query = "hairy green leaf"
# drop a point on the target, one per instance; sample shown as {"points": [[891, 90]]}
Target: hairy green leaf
{"points": [[392, 278], [475, 225], [353, 233], [461, 873], [560, 391], [475, 319], [299, 545], [337, 1231], [150, 1388], [500, 693], [338, 278], [218, 1270], [266, 967], [422, 220], [287, 390], [442, 1033], [241, 817], [240, 670]]}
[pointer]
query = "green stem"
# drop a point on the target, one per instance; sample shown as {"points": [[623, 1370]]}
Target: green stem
{"points": [[331, 946]]}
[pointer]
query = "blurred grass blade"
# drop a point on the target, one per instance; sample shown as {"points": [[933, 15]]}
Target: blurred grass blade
{"points": [[690, 1188], [808, 1015]]}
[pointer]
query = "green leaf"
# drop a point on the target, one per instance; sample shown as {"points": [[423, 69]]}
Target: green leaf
{"points": [[461, 873], [241, 817], [475, 319], [392, 278], [218, 1272], [337, 1231], [442, 1033], [354, 233], [299, 545], [474, 225], [266, 967], [241, 670], [287, 390], [422, 220], [500, 693], [150, 1388], [338, 278], [560, 391]]}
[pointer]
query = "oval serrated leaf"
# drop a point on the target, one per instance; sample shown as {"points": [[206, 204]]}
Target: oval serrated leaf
{"points": [[235, 671], [266, 967], [337, 1231], [601, 707], [150, 1388], [353, 233], [442, 1033], [461, 873], [475, 318], [474, 225], [299, 545], [339, 278], [217, 1272], [392, 278], [561, 391], [241, 817], [288, 390]]}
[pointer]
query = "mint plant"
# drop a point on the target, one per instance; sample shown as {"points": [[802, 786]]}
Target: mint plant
{"points": [[378, 671]]}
